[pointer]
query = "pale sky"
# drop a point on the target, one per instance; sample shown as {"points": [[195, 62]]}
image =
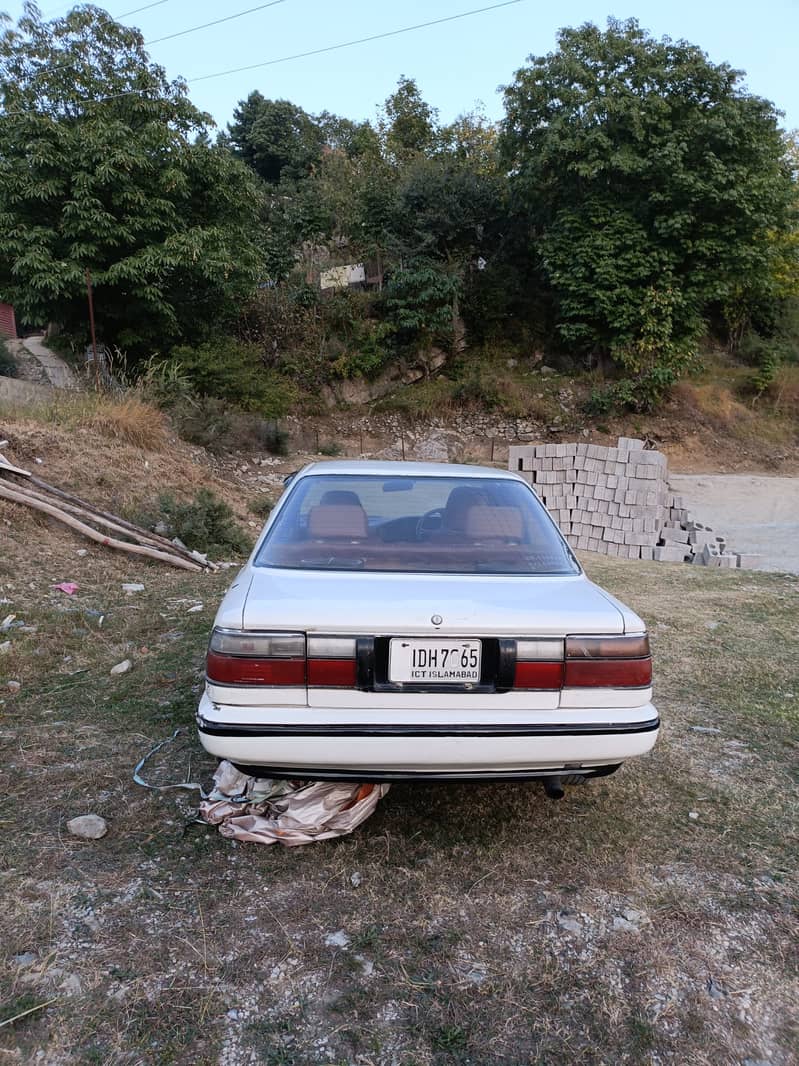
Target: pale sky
{"points": [[455, 64]]}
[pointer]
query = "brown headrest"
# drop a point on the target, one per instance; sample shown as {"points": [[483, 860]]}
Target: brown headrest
{"points": [[340, 521], [487, 523], [460, 500]]}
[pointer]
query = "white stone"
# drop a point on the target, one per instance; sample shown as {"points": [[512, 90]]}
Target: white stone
{"points": [[339, 939], [88, 826]]}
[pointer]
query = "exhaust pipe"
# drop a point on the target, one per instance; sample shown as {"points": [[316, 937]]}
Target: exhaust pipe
{"points": [[553, 788]]}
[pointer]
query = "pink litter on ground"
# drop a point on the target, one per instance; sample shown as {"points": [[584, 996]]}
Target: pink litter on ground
{"points": [[70, 587]]}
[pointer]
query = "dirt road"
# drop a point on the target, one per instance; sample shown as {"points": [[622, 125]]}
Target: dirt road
{"points": [[758, 514]]}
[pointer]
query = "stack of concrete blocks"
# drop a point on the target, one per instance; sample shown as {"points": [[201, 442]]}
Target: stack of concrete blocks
{"points": [[617, 501]]}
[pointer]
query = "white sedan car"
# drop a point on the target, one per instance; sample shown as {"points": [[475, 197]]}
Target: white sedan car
{"points": [[422, 620]]}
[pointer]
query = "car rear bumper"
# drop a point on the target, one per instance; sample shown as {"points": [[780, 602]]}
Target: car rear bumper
{"points": [[529, 747]]}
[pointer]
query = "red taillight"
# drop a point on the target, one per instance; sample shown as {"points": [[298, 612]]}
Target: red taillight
{"points": [[608, 662], [246, 670], [634, 647], [538, 675], [608, 673], [285, 660], [331, 673], [547, 664], [244, 658]]}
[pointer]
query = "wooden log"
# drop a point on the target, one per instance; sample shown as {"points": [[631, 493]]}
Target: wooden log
{"points": [[7, 493], [121, 524], [5, 465], [72, 508]]}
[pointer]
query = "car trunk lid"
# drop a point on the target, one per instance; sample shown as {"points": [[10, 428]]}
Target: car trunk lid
{"points": [[495, 610]]}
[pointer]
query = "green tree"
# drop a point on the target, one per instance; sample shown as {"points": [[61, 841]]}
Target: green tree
{"points": [[472, 139], [419, 299], [446, 214], [276, 138], [353, 139], [649, 180], [410, 125], [104, 166]]}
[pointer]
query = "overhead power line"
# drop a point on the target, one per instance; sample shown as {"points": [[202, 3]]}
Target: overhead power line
{"points": [[216, 22], [51, 69], [53, 11], [299, 55], [136, 10], [360, 40]]}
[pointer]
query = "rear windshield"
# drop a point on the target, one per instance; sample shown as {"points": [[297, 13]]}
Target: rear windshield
{"points": [[414, 525]]}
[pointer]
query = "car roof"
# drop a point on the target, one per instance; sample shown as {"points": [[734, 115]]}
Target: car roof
{"points": [[401, 468]]}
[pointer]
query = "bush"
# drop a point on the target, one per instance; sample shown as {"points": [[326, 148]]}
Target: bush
{"points": [[215, 425], [8, 364], [768, 353], [165, 382], [286, 325], [419, 300], [368, 352], [205, 524], [784, 392], [261, 507], [330, 448], [226, 369], [205, 422], [640, 394]]}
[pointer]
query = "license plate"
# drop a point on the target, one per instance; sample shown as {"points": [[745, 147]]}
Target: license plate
{"points": [[444, 662]]}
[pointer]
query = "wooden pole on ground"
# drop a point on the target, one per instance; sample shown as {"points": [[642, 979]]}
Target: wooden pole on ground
{"points": [[7, 493]]}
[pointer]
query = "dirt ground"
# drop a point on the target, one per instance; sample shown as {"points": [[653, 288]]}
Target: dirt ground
{"points": [[758, 514], [648, 918]]}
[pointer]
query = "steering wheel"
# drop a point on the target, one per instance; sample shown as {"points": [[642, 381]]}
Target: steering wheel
{"points": [[430, 522]]}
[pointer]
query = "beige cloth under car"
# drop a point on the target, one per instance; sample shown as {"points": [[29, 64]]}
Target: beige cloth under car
{"points": [[270, 811]]}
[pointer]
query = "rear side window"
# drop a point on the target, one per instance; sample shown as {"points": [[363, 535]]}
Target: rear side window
{"points": [[414, 525]]}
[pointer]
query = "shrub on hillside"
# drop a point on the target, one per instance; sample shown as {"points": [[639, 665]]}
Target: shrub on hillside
{"points": [[204, 524], [261, 507], [769, 350], [215, 425], [165, 383], [639, 395], [226, 369]]}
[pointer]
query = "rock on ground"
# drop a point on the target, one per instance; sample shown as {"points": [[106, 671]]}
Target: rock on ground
{"points": [[88, 826]]}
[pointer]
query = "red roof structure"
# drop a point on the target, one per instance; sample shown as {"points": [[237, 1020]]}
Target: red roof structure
{"points": [[8, 325]]}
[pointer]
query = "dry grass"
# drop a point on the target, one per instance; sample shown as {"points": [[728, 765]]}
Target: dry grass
{"points": [[132, 421], [784, 392], [129, 419], [109, 471], [749, 435], [714, 401], [483, 926]]}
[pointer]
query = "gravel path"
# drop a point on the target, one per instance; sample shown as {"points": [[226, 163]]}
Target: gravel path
{"points": [[758, 514], [59, 374]]}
